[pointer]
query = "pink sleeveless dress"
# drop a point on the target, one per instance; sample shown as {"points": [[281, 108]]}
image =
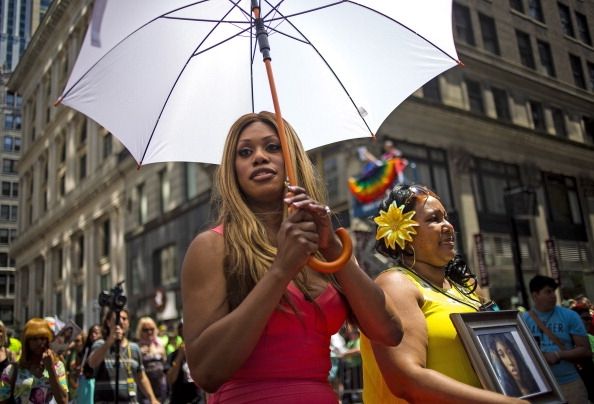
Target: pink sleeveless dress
{"points": [[291, 361]]}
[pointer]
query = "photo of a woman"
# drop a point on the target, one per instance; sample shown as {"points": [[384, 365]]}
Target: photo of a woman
{"points": [[513, 374]]}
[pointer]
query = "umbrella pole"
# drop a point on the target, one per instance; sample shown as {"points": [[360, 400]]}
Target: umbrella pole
{"points": [[343, 234]]}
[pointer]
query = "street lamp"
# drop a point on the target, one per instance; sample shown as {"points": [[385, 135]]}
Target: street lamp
{"points": [[519, 201]]}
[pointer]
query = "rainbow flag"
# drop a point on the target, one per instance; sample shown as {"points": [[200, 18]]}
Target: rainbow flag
{"points": [[374, 182]]}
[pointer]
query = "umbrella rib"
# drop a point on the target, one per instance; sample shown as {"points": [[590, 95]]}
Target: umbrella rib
{"points": [[408, 28], [178, 78], [67, 91], [331, 70], [196, 52]]}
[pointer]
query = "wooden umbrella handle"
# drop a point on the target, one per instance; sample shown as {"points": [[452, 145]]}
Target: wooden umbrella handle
{"points": [[337, 264]]}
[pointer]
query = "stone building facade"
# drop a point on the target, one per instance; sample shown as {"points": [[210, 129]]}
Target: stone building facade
{"points": [[517, 119]]}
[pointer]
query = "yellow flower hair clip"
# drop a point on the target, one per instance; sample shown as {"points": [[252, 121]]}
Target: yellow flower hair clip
{"points": [[395, 227]]}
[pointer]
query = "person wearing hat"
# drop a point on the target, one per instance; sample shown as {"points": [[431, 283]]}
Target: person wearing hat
{"points": [[561, 337], [40, 375]]}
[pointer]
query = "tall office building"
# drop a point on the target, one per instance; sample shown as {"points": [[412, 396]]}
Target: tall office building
{"points": [[18, 20]]}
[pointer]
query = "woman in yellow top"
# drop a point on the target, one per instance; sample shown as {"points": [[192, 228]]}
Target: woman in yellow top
{"points": [[430, 364]]}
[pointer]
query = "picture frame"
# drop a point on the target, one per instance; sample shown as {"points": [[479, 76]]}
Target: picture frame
{"points": [[505, 356]]}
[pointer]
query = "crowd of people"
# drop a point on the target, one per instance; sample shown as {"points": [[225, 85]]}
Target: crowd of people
{"points": [[153, 368], [260, 325]]}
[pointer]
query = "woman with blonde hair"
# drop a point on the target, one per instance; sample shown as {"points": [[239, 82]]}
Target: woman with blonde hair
{"points": [[39, 370], [257, 319], [153, 357]]}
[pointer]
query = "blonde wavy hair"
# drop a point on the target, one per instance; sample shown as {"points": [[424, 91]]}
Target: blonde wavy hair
{"points": [[248, 250]]}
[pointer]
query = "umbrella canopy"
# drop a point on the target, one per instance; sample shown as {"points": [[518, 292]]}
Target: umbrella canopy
{"points": [[168, 78]]}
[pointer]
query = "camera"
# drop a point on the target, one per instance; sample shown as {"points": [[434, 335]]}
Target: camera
{"points": [[114, 299]]}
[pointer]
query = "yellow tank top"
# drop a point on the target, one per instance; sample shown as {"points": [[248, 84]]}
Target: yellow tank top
{"points": [[445, 352]]}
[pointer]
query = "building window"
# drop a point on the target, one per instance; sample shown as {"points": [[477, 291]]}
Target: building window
{"points": [[475, 96], [582, 28], [58, 304], [559, 122], [577, 71], [142, 204], [58, 264], [82, 165], [107, 141], [431, 90], [546, 58], [489, 34], [562, 197], [166, 266], [501, 104], [463, 24], [490, 179], [10, 189], [535, 10], [525, 49], [9, 166], [191, 180], [4, 236], [517, 5], [78, 253], [591, 75], [105, 239], [6, 261], [565, 17], [164, 191], [588, 123], [538, 120], [8, 213], [430, 167]]}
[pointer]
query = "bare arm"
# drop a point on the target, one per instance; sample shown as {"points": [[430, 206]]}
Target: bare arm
{"points": [[580, 351], [50, 362], [404, 366], [145, 386], [176, 365], [375, 315], [212, 332]]}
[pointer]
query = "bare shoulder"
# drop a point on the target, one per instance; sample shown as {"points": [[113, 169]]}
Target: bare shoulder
{"points": [[203, 281], [397, 286], [204, 254]]}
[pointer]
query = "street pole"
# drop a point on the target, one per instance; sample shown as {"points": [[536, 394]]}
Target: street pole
{"points": [[515, 247]]}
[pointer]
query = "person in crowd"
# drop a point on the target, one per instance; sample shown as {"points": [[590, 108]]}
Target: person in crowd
{"points": [[131, 375], [426, 286], [86, 381], [181, 386], [153, 357], [40, 375], [6, 355], [561, 336], [71, 360], [585, 367], [352, 377], [514, 376], [265, 318], [337, 349], [14, 344]]}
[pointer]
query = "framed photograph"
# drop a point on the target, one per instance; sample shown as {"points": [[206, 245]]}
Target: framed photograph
{"points": [[505, 356]]}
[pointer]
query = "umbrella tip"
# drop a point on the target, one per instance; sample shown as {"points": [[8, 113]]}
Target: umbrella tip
{"points": [[58, 101], [461, 64]]}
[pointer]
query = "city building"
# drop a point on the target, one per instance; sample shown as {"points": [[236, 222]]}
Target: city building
{"points": [[17, 21], [507, 141]]}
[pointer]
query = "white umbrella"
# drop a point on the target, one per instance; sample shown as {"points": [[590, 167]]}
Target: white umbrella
{"points": [[168, 78]]}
